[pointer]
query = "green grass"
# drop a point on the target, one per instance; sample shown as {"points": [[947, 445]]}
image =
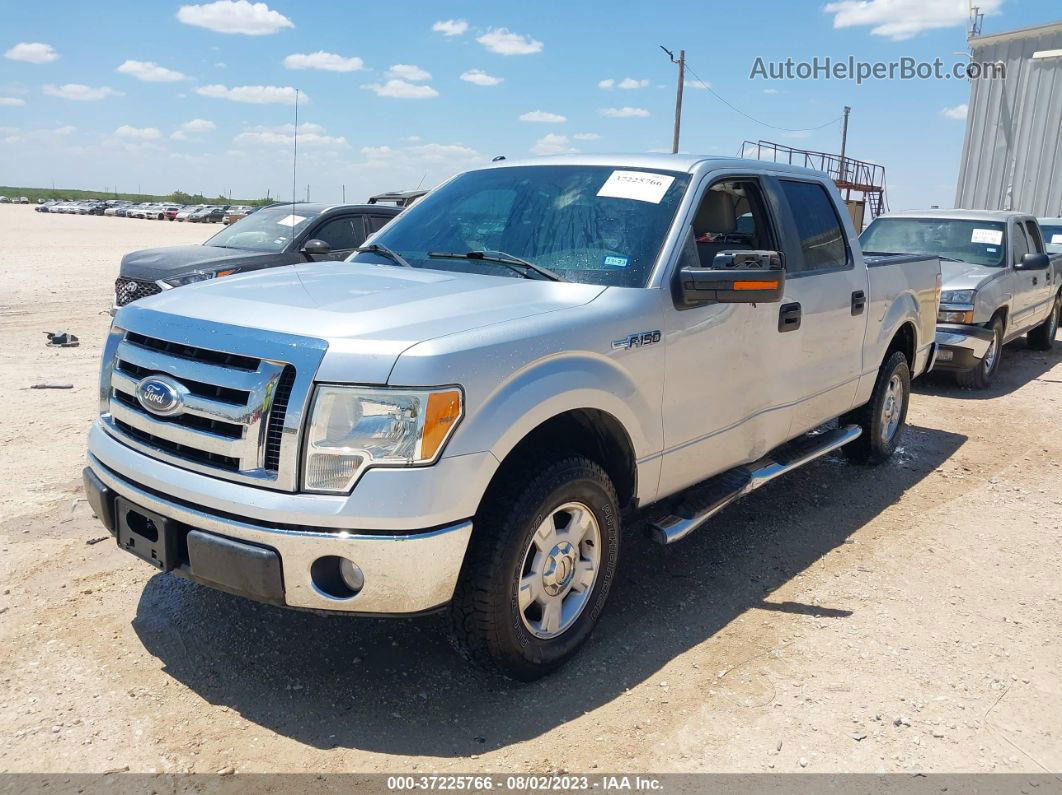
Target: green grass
{"points": [[177, 197]]}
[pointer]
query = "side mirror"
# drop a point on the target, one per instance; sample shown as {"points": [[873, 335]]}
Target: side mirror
{"points": [[316, 247], [1033, 262], [736, 277]]}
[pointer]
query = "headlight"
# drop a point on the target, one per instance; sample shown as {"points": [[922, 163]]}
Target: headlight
{"points": [[957, 297], [187, 278], [354, 428]]}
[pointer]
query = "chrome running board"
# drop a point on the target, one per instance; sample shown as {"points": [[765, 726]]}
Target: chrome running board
{"points": [[703, 502]]}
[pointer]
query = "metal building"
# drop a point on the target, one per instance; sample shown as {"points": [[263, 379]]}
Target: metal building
{"points": [[1012, 154]]}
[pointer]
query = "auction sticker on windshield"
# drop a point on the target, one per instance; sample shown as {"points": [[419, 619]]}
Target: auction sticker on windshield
{"points": [[991, 236], [637, 185], [291, 220]]}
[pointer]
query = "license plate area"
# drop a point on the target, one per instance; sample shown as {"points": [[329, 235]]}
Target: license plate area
{"points": [[148, 535]]}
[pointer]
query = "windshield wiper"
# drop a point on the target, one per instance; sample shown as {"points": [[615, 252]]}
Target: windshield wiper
{"points": [[502, 259], [384, 251]]}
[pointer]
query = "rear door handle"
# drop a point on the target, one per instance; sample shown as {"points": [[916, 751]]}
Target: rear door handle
{"points": [[1035, 281], [789, 317], [859, 301]]}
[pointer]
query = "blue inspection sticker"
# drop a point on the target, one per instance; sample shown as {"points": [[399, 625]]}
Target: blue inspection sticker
{"points": [[617, 262]]}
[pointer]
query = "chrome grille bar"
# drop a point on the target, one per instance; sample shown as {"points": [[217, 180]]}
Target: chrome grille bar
{"points": [[193, 404], [243, 380], [164, 429]]}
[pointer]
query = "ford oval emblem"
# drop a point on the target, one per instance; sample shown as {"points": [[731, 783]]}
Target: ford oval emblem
{"points": [[160, 395]]}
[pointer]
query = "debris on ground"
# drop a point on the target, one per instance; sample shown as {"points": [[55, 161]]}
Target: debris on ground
{"points": [[51, 385], [62, 339]]}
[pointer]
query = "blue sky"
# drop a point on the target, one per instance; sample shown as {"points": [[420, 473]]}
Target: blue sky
{"points": [[392, 110]]}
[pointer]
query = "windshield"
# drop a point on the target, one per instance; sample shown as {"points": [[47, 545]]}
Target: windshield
{"points": [[269, 229], [591, 224], [976, 242], [1052, 234]]}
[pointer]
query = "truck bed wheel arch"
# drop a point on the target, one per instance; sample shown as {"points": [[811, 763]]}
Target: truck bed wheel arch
{"points": [[590, 432], [904, 340]]}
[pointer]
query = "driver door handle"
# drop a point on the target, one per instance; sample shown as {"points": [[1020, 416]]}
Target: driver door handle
{"points": [[789, 317]]}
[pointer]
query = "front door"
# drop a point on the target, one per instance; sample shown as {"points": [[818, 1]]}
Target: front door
{"points": [[725, 389]]}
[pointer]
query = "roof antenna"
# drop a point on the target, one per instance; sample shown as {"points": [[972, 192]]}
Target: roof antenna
{"points": [[294, 162]]}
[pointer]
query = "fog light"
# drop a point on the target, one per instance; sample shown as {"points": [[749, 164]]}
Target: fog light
{"points": [[337, 577], [351, 575]]}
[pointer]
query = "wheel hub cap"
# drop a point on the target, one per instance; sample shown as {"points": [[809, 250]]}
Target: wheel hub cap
{"points": [[559, 570]]}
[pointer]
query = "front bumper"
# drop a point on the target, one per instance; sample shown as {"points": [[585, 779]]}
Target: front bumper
{"points": [[403, 574], [961, 347]]}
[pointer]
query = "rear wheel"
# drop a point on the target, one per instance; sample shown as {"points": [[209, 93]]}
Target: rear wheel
{"points": [[539, 568], [980, 377], [1042, 338], [883, 418]]}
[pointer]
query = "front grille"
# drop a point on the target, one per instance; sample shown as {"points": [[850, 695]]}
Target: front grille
{"points": [[232, 413], [128, 290]]}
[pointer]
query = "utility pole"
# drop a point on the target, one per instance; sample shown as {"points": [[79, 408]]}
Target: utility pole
{"points": [[681, 61], [844, 147], [307, 191], [344, 194]]}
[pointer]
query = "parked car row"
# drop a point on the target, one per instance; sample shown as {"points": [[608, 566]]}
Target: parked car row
{"points": [[12, 200], [193, 213]]}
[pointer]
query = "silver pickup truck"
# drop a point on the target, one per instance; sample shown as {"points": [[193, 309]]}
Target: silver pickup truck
{"points": [[464, 413], [999, 282]]}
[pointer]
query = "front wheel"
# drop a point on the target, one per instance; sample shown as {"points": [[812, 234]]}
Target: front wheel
{"points": [[884, 417], [980, 377], [538, 571]]}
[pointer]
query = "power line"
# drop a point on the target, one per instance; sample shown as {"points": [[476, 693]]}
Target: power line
{"points": [[714, 93]]}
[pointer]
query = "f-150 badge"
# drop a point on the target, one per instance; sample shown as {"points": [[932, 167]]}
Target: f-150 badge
{"points": [[636, 340]]}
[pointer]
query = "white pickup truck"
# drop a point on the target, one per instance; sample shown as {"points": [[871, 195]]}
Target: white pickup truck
{"points": [[1000, 282], [464, 415]]}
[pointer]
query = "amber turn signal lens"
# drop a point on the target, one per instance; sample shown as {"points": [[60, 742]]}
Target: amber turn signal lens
{"points": [[755, 285], [441, 415]]}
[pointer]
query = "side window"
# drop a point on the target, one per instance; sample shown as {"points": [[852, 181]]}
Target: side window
{"points": [[337, 233], [1020, 245], [378, 222], [821, 236], [732, 216], [1036, 243]]}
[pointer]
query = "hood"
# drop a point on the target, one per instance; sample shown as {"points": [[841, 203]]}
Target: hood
{"points": [[159, 263], [371, 313], [965, 276]]}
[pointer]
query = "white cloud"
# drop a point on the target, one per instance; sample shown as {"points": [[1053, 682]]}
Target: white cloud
{"points": [[400, 89], [606, 84], [198, 126], [79, 92], [12, 102], [553, 144], [138, 133], [480, 78], [542, 116], [958, 112], [626, 84], [254, 95], [586, 137], [310, 136], [325, 61], [903, 19], [625, 113], [701, 85], [439, 160], [406, 71], [235, 16], [771, 91], [32, 52], [450, 27], [150, 72], [504, 42], [68, 129]]}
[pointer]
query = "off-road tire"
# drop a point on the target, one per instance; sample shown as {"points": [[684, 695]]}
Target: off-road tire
{"points": [[874, 445], [487, 620], [1042, 338], [980, 377]]}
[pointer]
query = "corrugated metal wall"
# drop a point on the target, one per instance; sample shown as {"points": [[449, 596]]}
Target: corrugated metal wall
{"points": [[1012, 155]]}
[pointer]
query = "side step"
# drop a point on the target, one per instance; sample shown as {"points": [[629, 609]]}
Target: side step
{"points": [[703, 502]]}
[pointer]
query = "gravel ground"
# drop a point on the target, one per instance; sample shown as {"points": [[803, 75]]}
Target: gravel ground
{"points": [[903, 618]]}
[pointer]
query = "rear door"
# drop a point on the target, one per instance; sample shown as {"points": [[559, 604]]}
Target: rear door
{"points": [[1024, 284], [342, 233], [1044, 287], [823, 280]]}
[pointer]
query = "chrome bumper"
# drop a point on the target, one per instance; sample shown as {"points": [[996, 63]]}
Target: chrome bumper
{"points": [[402, 573]]}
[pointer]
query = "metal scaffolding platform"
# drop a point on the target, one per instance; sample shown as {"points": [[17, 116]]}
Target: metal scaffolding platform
{"points": [[849, 174]]}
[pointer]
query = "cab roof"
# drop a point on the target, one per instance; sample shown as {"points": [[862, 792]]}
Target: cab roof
{"points": [[658, 162]]}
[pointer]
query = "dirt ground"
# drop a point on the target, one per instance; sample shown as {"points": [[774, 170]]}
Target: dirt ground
{"points": [[904, 618]]}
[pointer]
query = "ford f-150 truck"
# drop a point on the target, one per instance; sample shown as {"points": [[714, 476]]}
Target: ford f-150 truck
{"points": [[464, 413], [999, 282]]}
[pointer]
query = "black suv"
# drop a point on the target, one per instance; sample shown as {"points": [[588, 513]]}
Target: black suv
{"points": [[280, 234]]}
